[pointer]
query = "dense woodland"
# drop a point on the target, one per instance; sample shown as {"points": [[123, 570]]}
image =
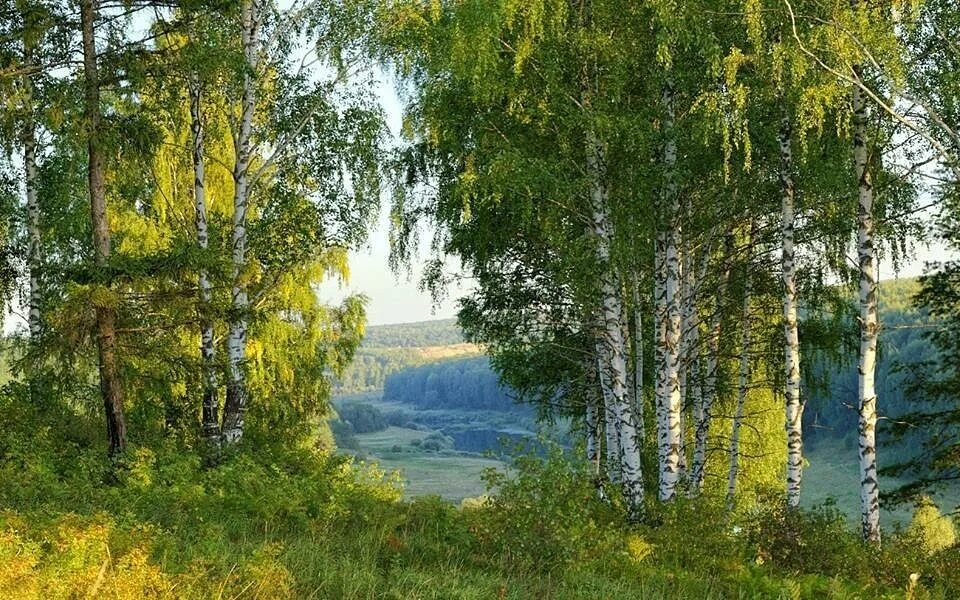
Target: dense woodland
{"points": [[673, 216], [389, 348]]}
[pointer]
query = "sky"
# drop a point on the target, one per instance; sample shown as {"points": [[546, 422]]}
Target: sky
{"points": [[393, 298]]}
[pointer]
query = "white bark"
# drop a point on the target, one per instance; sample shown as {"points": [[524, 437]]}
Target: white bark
{"points": [[661, 391], [869, 327], [593, 428], [670, 466], [791, 346], [211, 426], [690, 384], [742, 385], [638, 408], [612, 342], [236, 404], [610, 419]]}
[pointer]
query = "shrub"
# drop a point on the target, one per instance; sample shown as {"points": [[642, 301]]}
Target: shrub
{"points": [[930, 529], [544, 516]]}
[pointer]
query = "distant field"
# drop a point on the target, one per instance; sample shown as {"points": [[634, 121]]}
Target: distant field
{"points": [[833, 472], [447, 474], [431, 353]]}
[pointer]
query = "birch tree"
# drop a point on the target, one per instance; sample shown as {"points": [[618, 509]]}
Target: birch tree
{"points": [[670, 392], [791, 348], [209, 419], [869, 325], [237, 394]]}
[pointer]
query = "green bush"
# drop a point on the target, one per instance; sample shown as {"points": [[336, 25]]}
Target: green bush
{"points": [[544, 516], [931, 530]]}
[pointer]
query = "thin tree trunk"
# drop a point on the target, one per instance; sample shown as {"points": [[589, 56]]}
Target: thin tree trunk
{"points": [[210, 420], [638, 362], [670, 467], [610, 420], [33, 208], [690, 391], [236, 403], [613, 344], [705, 414], [661, 391], [594, 427], [593, 437], [744, 381], [96, 177], [791, 346], [869, 327]]}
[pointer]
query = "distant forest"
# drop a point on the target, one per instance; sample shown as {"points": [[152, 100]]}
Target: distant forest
{"points": [[389, 348], [831, 389], [442, 332], [391, 359], [466, 384]]}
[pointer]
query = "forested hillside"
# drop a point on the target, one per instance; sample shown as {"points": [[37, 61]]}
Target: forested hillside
{"points": [[466, 384], [665, 222], [903, 347], [441, 332], [386, 349]]}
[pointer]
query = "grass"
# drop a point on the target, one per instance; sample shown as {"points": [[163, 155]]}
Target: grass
{"points": [[450, 475], [832, 472]]}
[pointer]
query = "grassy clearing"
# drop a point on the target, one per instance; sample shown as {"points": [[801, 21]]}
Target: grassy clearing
{"points": [[448, 474], [832, 472]]}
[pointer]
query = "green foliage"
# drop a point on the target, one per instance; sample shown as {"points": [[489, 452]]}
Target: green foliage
{"points": [[933, 531], [546, 516], [363, 418]]}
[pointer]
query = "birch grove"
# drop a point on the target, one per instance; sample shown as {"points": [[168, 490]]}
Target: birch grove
{"points": [[613, 363], [647, 207]]}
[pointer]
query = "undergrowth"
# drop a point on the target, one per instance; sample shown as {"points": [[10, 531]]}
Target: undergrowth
{"points": [[169, 523]]}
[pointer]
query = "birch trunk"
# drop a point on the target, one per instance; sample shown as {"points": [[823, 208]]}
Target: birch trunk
{"points": [[236, 403], [705, 414], [690, 392], [610, 420], [869, 326], [791, 346], [613, 344], [670, 466], [593, 427], [638, 409], [110, 389], [743, 383], [209, 421], [661, 392]]}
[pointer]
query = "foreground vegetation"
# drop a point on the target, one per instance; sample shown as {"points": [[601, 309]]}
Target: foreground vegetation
{"points": [[298, 523]]}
